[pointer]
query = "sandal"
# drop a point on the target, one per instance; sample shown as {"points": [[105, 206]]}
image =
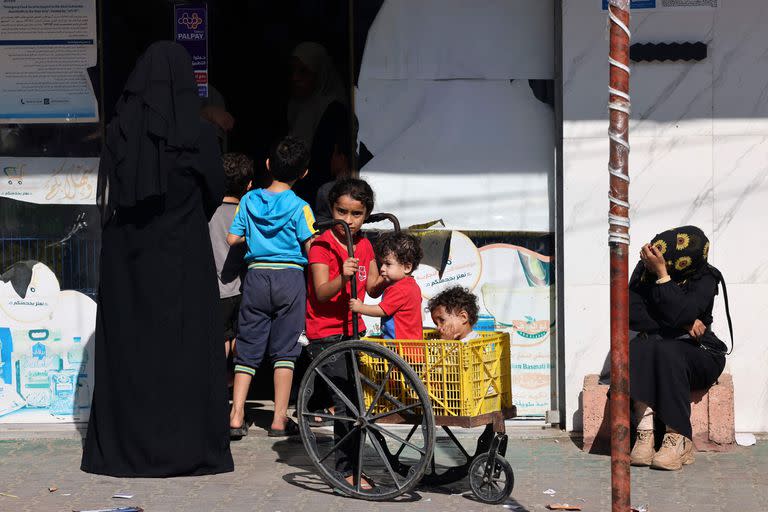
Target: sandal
{"points": [[318, 421], [366, 484], [240, 432], [290, 429]]}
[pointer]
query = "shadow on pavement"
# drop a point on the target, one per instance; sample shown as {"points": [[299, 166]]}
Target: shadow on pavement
{"points": [[509, 504], [258, 416], [291, 452], [309, 481]]}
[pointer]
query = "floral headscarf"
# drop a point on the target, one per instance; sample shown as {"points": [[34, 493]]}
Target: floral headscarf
{"points": [[685, 249]]}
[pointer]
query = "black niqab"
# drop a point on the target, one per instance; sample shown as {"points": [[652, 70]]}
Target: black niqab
{"points": [[156, 124]]}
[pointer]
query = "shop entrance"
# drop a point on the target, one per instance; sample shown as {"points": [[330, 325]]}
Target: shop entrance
{"points": [[251, 66], [452, 119]]}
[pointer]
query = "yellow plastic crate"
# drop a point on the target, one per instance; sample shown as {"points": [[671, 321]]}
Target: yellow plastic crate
{"points": [[462, 379]]}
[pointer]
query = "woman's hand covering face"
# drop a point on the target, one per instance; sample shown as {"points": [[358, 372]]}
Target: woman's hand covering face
{"points": [[653, 260]]}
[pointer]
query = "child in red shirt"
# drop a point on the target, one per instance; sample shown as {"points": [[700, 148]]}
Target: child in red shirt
{"points": [[332, 270], [400, 308], [331, 274]]}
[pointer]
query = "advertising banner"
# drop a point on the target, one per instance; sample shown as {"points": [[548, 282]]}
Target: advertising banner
{"points": [[511, 276], [669, 4], [46, 47], [191, 31], [49, 180], [46, 348]]}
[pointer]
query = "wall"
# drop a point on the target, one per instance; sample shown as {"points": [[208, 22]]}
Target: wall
{"points": [[699, 136]]}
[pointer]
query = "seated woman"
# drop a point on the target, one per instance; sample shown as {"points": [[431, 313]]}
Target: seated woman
{"points": [[671, 293]]}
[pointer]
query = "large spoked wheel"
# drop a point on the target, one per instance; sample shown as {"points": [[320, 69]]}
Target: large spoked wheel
{"points": [[370, 387], [491, 480]]}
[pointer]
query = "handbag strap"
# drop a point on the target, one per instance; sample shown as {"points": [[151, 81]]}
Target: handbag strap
{"points": [[719, 276]]}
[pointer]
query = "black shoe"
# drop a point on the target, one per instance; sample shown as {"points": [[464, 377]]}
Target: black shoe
{"points": [[291, 429], [238, 433]]}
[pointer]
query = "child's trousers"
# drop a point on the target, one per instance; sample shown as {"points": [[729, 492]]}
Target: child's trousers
{"points": [[271, 318]]}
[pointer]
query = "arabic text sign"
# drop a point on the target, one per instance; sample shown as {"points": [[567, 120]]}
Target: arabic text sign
{"points": [[191, 31], [46, 47], [49, 180]]}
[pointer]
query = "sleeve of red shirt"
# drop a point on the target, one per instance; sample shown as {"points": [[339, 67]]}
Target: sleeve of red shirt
{"points": [[319, 252], [394, 299]]}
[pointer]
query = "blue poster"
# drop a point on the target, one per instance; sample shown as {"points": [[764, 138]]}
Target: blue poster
{"points": [[635, 4], [191, 31]]}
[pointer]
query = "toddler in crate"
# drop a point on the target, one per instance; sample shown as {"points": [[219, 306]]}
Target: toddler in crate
{"points": [[454, 311], [399, 255]]}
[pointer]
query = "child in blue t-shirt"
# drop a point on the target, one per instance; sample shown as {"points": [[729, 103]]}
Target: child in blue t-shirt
{"points": [[276, 225]]}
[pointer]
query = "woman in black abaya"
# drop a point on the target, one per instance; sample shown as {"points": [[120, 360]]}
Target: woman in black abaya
{"points": [[160, 405], [671, 294]]}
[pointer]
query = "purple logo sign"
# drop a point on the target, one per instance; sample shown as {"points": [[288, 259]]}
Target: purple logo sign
{"points": [[191, 31]]}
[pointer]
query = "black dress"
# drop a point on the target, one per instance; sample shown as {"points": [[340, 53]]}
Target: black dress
{"points": [[160, 403], [665, 363]]}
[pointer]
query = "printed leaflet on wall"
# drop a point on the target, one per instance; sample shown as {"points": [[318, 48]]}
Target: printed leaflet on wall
{"points": [[46, 47]]}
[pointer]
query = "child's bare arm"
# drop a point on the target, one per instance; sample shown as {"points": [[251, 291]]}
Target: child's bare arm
{"points": [[375, 284], [234, 239], [357, 306], [325, 287]]}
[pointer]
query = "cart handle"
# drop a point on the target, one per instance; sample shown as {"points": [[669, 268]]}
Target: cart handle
{"points": [[378, 217], [326, 224], [322, 225]]}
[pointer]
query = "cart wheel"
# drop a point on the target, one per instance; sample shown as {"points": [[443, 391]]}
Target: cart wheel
{"points": [[371, 387], [491, 485], [436, 476]]}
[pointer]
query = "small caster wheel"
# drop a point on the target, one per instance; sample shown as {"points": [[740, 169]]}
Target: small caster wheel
{"points": [[494, 484]]}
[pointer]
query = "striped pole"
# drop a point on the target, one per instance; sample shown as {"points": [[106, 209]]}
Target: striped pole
{"points": [[618, 241]]}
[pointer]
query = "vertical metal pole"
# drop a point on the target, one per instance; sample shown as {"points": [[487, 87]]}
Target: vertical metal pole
{"points": [[618, 240], [352, 134], [100, 56]]}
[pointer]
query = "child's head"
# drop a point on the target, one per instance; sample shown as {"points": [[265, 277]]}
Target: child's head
{"points": [[238, 173], [351, 200], [288, 160], [399, 255], [454, 312]]}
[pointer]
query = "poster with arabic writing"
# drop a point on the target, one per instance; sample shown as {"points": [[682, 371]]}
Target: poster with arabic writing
{"points": [[511, 275], [49, 180], [46, 47], [46, 347]]}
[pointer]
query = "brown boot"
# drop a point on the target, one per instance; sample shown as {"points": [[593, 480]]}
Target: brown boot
{"points": [[676, 451], [643, 451]]}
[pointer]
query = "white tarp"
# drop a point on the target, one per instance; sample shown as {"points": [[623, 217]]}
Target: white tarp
{"points": [[476, 153], [446, 39], [445, 107]]}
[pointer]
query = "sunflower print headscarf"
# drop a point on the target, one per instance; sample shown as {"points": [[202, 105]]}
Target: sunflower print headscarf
{"points": [[685, 249]]}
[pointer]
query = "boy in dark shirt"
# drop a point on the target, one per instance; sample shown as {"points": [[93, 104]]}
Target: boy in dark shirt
{"points": [[238, 170]]}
